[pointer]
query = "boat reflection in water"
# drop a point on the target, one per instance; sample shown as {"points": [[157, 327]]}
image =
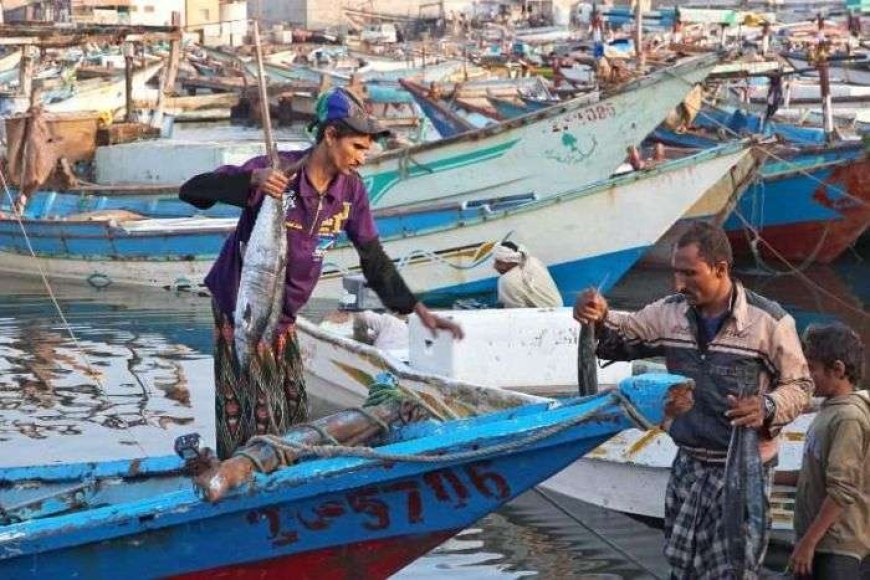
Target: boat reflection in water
{"points": [[125, 382]]}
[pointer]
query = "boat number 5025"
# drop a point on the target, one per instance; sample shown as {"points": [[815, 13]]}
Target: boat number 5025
{"points": [[380, 507]]}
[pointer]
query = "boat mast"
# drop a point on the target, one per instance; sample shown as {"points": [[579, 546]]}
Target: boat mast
{"points": [[825, 81], [638, 35]]}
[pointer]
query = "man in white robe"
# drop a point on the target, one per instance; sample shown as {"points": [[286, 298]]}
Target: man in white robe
{"points": [[524, 281]]}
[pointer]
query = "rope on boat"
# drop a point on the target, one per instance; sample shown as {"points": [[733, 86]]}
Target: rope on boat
{"points": [[287, 449], [753, 238], [18, 214], [799, 273]]}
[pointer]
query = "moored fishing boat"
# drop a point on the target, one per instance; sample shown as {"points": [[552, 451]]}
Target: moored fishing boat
{"points": [[561, 142], [342, 516], [114, 247], [105, 95], [812, 201], [443, 250], [581, 236], [627, 473]]}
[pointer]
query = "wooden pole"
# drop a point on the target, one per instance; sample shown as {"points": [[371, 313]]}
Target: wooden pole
{"points": [[128, 77], [25, 72], [171, 72], [638, 35], [825, 87], [271, 151]]}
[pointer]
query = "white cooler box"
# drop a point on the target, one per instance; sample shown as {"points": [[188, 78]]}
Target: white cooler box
{"points": [[519, 348]]}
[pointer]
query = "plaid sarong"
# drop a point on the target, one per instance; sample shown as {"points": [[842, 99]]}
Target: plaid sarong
{"points": [[267, 397], [694, 546]]}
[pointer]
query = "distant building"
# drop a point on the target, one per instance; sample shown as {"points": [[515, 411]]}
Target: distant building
{"points": [[198, 13], [313, 14], [140, 12], [228, 28], [34, 10]]}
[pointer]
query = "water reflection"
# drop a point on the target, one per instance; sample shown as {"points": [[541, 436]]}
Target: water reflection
{"points": [[120, 382]]}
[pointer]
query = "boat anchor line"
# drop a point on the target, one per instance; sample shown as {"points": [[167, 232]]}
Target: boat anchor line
{"points": [[77, 345], [287, 450], [800, 273], [753, 237]]}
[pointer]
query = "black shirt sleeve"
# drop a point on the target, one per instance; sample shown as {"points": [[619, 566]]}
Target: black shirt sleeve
{"points": [[204, 190], [383, 277]]}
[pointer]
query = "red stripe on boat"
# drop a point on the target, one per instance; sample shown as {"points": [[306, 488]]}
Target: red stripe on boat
{"points": [[370, 559]]}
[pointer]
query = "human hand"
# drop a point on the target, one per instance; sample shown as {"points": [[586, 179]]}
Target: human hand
{"points": [[271, 181], [746, 411], [435, 323], [590, 307], [801, 559], [681, 399]]}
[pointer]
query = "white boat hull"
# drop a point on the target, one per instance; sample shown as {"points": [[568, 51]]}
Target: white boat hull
{"points": [[545, 153], [582, 237]]}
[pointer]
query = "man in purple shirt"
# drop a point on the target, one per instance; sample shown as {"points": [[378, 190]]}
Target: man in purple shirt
{"points": [[327, 197]]}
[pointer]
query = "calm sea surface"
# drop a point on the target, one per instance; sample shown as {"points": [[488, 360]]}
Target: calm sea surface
{"points": [[139, 373]]}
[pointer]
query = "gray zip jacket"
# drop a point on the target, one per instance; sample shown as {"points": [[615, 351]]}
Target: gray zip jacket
{"points": [[757, 342]]}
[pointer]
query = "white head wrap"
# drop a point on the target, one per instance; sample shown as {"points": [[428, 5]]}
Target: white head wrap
{"points": [[505, 254]]}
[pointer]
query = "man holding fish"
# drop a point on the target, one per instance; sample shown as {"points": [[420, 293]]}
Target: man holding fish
{"points": [[260, 387], [751, 379]]}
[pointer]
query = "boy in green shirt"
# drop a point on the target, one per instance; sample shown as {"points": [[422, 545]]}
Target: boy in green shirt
{"points": [[832, 511]]}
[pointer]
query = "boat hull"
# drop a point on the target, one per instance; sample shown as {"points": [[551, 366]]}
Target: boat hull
{"points": [[581, 236], [812, 207], [161, 253], [330, 508], [565, 143]]}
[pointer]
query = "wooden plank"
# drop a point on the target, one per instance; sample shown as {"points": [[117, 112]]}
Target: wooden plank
{"points": [[118, 133]]}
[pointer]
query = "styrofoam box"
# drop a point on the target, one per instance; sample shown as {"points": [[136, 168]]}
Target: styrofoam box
{"points": [[510, 348]]}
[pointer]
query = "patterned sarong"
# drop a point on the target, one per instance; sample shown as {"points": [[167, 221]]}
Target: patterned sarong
{"points": [[694, 546], [268, 397]]}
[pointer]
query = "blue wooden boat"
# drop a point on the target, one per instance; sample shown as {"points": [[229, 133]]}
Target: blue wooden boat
{"points": [[813, 199], [109, 247], [158, 203], [340, 517]]}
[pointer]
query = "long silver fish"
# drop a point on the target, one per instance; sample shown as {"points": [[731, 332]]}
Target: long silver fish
{"points": [[261, 288], [744, 515]]}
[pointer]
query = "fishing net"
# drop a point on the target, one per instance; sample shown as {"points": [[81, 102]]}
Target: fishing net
{"points": [[266, 398]]}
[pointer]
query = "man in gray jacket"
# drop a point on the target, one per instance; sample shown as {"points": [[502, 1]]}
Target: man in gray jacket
{"points": [[720, 334]]}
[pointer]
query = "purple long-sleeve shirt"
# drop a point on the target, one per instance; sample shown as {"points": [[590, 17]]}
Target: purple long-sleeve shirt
{"points": [[313, 224]]}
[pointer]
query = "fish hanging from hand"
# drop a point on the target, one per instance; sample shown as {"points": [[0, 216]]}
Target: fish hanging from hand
{"points": [[744, 516]]}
